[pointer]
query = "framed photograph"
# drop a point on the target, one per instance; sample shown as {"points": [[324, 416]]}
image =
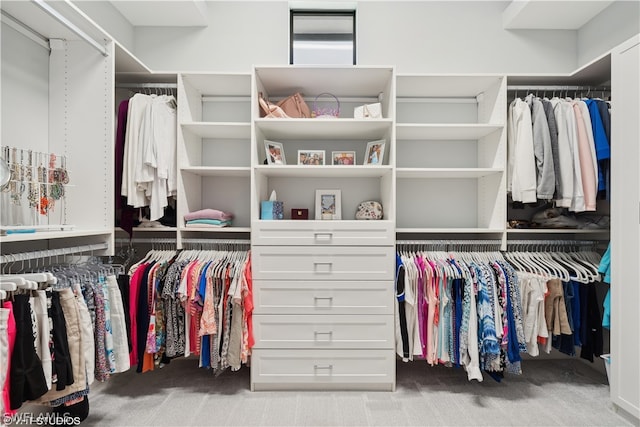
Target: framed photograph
{"points": [[311, 157], [328, 204], [343, 157], [374, 155], [275, 153]]}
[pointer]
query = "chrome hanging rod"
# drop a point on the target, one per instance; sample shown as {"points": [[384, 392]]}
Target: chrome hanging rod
{"points": [[48, 253], [448, 242], [146, 86], [161, 240], [25, 30], [232, 241], [558, 88], [158, 240], [447, 245], [553, 242], [546, 245], [72, 27], [204, 243]]}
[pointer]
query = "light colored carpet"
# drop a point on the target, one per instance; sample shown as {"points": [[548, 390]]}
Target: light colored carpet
{"points": [[549, 393]]}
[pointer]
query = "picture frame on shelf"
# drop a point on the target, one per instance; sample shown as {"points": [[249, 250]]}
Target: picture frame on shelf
{"points": [[328, 204], [342, 158], [311, 157], [374, 154], [275, 153]]}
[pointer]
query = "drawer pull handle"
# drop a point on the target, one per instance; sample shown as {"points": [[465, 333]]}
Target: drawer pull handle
{"points": [[325, 370], [328, 334], [323, 237], [328, 301], [322, 267]]}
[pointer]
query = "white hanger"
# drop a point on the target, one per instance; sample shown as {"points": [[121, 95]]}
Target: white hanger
{"points": [[511, 260], [560, 270], [584, 259], [580, 272], [45, 277], [8, 286], [585, 276], [545, 267], [524, 266], [22, 283]]}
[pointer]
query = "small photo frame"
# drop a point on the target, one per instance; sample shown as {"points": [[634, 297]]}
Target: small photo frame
{"points": [[328, 204], [374, 155], [311, 157], [343, 158], [275, 153]]}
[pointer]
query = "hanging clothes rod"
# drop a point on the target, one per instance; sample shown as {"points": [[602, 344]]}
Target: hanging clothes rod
{"points": [[218, 244], [558, 88], [146, 86], [99, 46], [164, 241], [549, 244], [552, 242], [159, 240], [448, 245], [48, 253], [217, 241], [25, 30]]}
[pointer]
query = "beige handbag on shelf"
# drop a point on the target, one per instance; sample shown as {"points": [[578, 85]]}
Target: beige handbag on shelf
{"points": [[368, 111], [293, 106]]}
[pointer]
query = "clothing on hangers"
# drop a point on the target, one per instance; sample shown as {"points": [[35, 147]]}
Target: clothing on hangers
{"points": [[197, 302], [467, 308], [148, 153], [482, 310], [560, 147], [560, 308], [55, 342]]}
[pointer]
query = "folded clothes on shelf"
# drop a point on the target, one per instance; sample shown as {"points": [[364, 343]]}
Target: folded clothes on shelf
{"points": [[208, 214], [145, 223], [559, 218], [212, 223]]}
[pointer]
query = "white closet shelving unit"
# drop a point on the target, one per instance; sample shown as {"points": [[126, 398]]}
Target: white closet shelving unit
{"points": [[323, 289], [214, 146], [69, 91], [450, 154]]}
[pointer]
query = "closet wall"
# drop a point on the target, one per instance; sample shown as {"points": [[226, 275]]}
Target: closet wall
{"points": [[25, 90]]}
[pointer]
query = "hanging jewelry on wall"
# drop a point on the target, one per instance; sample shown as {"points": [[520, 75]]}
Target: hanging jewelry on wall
{"points": [[32, 195], [40, 178], [43, 200]]}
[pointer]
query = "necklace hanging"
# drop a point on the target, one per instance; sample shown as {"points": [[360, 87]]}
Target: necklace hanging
{"points": [[43, 201]]}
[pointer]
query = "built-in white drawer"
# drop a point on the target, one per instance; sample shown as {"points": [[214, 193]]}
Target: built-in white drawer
{"points": [[320, 331], [319, 297], [322, 369], [323, 263], [324, 233]]}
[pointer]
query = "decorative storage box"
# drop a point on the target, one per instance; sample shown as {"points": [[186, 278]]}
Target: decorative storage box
{"points": [[271, 209], [299, 213]]}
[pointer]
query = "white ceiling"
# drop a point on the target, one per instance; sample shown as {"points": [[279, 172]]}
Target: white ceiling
{"points": [[519, 14], [551, 15], [165, 13]]}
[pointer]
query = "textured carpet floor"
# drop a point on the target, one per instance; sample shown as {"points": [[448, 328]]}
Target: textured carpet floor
{"points": [[549, 393]]}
